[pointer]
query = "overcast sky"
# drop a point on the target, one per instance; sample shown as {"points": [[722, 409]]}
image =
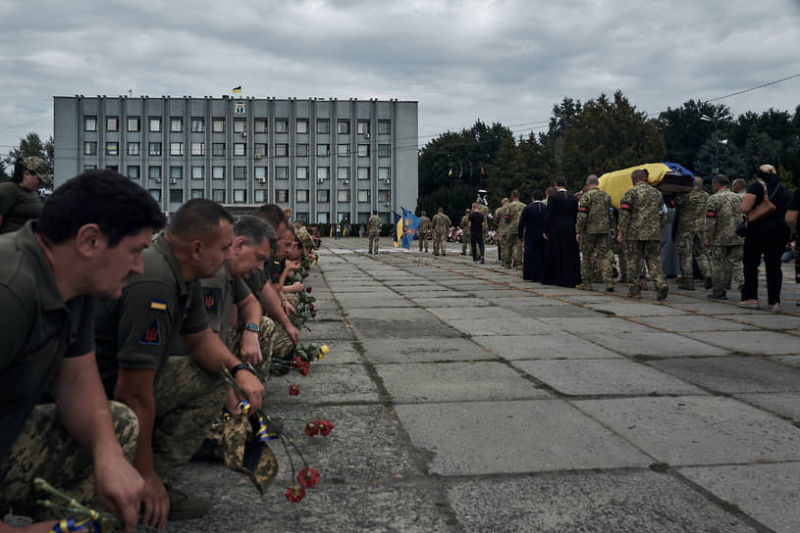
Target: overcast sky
{"points": [[505, 61]]}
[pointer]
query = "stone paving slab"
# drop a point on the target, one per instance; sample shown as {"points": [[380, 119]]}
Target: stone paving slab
{"points": [[370, 328], [654, 343], [326, 331], [369, 302], [627, 502], [513, 437], [342, 352], [789, 360], [425, 350], [557, 312], [391, 314], [325, 384], [636, 310], [550, 346], [754, 342], [597, 324], [698, 430], [768, 321], [455, 382], [785, 404], [463, 302], [767, 492], [713, 309], [504, 324], [490, 295], [732, 375], [690, 323], [528, 301], [605, 377]]}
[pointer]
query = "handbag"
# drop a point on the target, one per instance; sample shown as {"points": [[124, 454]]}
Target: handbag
{"points": [[763, 209]]}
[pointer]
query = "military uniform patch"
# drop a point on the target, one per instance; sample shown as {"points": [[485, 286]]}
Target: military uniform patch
{"points": [[152, 335], [211, 299]]}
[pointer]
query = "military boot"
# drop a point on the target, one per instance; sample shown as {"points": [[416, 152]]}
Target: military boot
{"points": [[709, 283], [662, 292], [609, 287], [718, 295], [686, 284], [184, 506], [584, 286]]}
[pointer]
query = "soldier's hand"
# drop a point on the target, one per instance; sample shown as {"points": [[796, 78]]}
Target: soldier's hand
{"points": [[251, 386], [249, 348], [119, 487], [620, 238], [155, 503], [293, 333], [289, 309], [578, 238]]}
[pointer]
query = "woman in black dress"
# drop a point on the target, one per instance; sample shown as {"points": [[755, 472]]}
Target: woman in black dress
{"points": [[531, 228]]}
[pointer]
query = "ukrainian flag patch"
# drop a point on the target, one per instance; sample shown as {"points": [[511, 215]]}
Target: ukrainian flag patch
{"points": [[160, 305]]}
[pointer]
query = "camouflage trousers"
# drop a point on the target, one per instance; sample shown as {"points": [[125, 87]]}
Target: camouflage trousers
{"points": [[464, 243], [691, 245], [649, 252], [274, 341], [44, 449], [727, 264], [374, 238], [510, 250], [292, 298], [423, 238], [439, 243], [596, 256]]}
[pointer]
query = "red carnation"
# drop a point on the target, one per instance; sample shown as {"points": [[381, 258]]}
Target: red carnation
{"points": [[308, 290], [294, 390], [312, 428], [305, 276], [313, 314], [304, 368], [311, 306], [308, 477], [296, 362], [295, 494], [325, 428]]}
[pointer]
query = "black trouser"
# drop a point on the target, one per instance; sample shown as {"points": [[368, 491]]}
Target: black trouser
{"points": [[474, 242], [772, 247]]}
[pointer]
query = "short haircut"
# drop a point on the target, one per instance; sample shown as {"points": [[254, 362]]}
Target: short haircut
{"points": [[698, 182], [638, 175], [592, 180], [538, 194], [515, 194], [197, 218], [103, 197], [721, 180], [561, 181], [255, 231], [739, 184], [374, 211], [272, 214], [19, 169], [550, 190]]}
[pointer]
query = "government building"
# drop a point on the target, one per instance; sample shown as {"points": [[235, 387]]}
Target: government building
{"points": [[327, 159]]}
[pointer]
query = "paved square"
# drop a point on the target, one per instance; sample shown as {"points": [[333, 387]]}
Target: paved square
{"points": [[425, 350], [548, 346]]}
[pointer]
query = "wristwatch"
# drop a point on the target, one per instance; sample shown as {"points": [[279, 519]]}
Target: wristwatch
{"points": [[252, 326], [243, 366]]}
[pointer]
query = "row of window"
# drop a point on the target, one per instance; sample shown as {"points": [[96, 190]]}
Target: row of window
{"points": [[260, 195], [239, 149], [260, 125], [260, 173]]}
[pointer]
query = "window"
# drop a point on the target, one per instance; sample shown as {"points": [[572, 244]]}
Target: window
{"points": [[343, 127], [384, 127], [260, 150], [89, 123], [363, 173], [260, 173], [133, 148], [260, 196], [114, 168], [112, 123], [301, 173], [384, 150], [322, 218], [363, 218], [90, 148], [260, 125], [156, 194], [198, 173], [302, 125], [323, 150], [218, 149], [199, 149], [281, 125], [363, 195], [239, 173], [176, 196], [197, 193], [218, 173], [363, 150], [281, 150], [343, 195], [176, 173], [112, 148], [198, 126], [175, 148], [133, 172], [343, 173], [323, 125], [363, 127], [323, 195], [282, 173], [218, 195], [134, 124], [302, 150], [301, 195], [239, 196], [384, 173], [343, 150], [301, 216], [176, 125], [154, 172], [155, 149], [89, 167], [282, 196], [239, 125], [239, 149], [218, 125], [384, 196], [323, 173], [155, 124]]}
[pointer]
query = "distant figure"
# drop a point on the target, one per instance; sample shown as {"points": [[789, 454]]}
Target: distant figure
{"points": [[531, 229], [19, 201], [374, 225], [562, 261], [477, 222], [337, 232]]}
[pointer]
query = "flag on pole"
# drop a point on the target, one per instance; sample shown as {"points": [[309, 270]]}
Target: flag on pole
{"points": [[398, 229], [237, 89], [450, 173], [411, 223]]}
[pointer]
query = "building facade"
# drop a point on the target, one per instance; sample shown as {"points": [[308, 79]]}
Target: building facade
{"points": [[329, 160]]}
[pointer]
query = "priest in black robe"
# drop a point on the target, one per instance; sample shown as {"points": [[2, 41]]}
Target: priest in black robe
{"points": [[562, 258], [531, 229]]}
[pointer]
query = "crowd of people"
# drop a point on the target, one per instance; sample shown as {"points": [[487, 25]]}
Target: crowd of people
{"points": [[119, 332], [577, 239]]}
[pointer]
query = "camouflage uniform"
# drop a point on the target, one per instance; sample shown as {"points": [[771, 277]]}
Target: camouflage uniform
{"points": [[691, 234], [374, 229], [509, 239], [593, 225], [441, 224], [465, 235], [499, 216], [722, 217], [423, 230], [642, 216]]}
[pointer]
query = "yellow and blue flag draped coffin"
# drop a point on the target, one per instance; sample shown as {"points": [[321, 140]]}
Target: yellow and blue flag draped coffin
{"points": [[667, 177]]}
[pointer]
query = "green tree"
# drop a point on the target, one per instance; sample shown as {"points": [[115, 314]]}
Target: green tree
{"points": [[731, 160], [32, 145], [685, 131]]}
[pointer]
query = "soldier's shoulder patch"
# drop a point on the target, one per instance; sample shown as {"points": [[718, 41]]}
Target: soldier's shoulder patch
{"points": [[158, 304], [152, 335], [625, 205], [211, 298]]}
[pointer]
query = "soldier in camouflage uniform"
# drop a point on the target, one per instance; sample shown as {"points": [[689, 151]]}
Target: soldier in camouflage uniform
{"points": [[642, 216], [374, 225], [441, 225], [502, 221], [691, 234], [592, 229], [465, 234], [509, 242], [722, 217], [423, 230]]}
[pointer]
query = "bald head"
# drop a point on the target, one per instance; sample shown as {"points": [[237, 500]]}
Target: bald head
{"points": [[638, 176], [698, 182], [592, 181]]}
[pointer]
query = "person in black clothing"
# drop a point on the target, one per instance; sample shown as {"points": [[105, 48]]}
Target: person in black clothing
{"points": [[767, 236], [562, 261], [531, 229], [476, 224]]}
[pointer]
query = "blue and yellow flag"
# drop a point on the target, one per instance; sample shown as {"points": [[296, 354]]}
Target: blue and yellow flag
{"points": [[398, 230], [411, 222], [237, 89]]}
